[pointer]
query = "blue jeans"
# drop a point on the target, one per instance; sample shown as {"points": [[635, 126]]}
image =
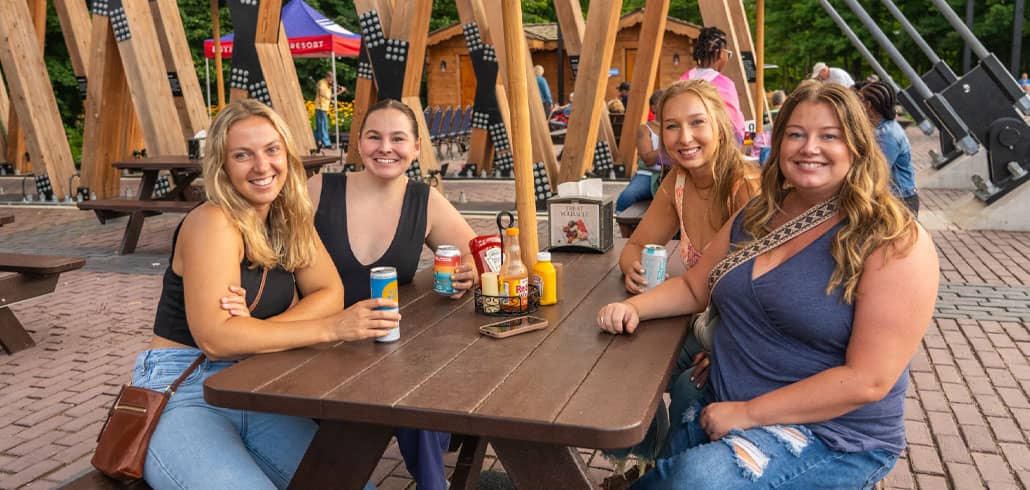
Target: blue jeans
{"points": [[322, 128], [775, 456], [423, 452], [638, 189], [197, 445]]}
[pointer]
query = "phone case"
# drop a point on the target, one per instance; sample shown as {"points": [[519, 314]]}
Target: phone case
{"points": [[538, 324]]}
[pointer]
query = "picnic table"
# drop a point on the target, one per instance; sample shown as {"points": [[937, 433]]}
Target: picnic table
{"points": [[6, 219], [534, 397], [181, 197]]}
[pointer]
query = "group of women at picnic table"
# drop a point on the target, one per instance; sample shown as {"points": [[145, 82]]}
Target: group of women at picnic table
{"points": [[802, 386]]}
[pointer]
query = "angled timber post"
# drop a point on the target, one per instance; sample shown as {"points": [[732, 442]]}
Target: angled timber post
{"points": [[5, 108], [365, 92], [483, 51], [540, 134], [573, 29], [728, 15], [182, 75], [645, 71], [15, 133], [21, 58], [396, 49], [581, 139]]}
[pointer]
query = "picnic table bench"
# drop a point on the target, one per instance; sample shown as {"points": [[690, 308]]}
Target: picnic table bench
{"points": [[6, 219], [181, 197], [24, 277], [630, 217]]}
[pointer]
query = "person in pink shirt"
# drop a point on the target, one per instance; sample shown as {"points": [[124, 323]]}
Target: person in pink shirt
{"points": [[711, 55]]}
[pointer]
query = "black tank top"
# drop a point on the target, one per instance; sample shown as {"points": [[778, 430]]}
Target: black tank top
{"points": [[403, 252], [170, 321]]}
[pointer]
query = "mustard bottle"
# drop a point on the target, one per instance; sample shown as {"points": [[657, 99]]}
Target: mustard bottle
{"points": [[545, 279]]}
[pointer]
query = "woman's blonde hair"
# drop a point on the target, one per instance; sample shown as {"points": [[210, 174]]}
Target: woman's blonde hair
{"points": [[729, 169], [872, 215], [288, 239]]}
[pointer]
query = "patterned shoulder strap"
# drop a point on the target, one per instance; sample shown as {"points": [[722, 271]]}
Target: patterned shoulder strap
{"points": [[784, 233]]}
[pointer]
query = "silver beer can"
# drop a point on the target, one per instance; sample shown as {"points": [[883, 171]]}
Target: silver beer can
{"points": [[653, 258]]}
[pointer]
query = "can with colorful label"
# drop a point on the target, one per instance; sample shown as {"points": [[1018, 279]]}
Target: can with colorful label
{"points": [[444, 264], [383, 281], [653, 258]]}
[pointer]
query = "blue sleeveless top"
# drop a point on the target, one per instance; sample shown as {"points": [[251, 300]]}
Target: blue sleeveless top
{"points": [[782, 328]]}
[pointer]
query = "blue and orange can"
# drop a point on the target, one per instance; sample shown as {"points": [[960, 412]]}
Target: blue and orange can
{"points": [[383, 281]]}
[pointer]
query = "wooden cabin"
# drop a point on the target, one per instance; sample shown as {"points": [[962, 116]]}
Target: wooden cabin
{"points": [[451, 81]]}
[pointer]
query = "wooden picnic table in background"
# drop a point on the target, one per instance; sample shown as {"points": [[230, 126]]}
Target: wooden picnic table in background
{"points": [[181, 196], [6, 219], [535, 397]]}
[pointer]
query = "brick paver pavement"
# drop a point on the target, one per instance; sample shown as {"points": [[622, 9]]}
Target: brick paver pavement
{"points": [[967, 413]]}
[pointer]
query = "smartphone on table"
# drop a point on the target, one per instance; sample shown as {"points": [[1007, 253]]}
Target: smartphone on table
{"points": [[513, 326]]}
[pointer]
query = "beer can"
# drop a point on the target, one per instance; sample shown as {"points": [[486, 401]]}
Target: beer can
{"points": [[653, 259], [383, 281], [444, 263]]}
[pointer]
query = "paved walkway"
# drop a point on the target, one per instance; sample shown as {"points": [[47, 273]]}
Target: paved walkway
{"points": [[968, 414]]}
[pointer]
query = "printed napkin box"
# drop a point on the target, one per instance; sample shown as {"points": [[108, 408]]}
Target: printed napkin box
{"points": [[580, 224]]}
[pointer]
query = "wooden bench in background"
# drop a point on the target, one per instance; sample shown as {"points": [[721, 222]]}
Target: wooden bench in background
{"points": [[137, 210], [23, 277], [92, 479], [630, 217]]}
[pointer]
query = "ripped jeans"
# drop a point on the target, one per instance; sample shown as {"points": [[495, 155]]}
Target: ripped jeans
{"points": [[775, 456]]}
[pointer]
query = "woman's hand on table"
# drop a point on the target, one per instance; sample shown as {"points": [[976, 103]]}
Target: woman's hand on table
{"points": [[634, 278], [362, 320], [463, 279], [618, 318], [717, 419], [235, 302]]}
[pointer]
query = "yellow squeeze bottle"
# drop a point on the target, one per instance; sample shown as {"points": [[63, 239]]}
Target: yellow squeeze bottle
{"points": [[545, 278]]}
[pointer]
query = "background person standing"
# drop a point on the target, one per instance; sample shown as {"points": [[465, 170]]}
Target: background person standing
{"points": [[545, 90], [323, 97], [821, 71]]}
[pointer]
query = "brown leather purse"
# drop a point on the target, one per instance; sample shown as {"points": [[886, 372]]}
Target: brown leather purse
{"points": [[124, 438]]}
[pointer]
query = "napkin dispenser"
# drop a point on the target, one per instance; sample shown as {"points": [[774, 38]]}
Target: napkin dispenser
{"points": [[580, 219]]}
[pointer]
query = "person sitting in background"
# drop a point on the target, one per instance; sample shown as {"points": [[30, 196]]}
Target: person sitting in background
{"points": [[1024, 82], [615, 107], [649, 165], [711, 56], [822, 72], [624, 94], [775, 102], [814, 337], [879, 100]]}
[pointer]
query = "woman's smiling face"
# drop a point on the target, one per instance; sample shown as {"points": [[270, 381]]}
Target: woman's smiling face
{"points": [[814, 158], [688, 132], [388, 145]]}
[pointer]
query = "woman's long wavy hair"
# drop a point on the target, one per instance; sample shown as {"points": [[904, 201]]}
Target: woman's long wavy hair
{"points": [[872, 215], [729, 167], [288, 238]]}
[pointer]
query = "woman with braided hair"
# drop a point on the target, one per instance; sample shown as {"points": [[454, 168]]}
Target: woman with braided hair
{"points": [[711, 56], [879, 100]]}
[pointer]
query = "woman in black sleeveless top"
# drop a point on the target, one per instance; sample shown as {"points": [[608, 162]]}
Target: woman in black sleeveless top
{"points": [[378, 217], [253, 237]]}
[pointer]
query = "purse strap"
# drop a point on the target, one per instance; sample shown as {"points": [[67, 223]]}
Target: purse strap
{"points": [[811, 218], [170, 389]]}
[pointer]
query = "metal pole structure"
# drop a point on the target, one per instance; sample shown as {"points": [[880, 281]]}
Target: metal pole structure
{"points": [[912, 32], [336, 104], [759, 65], [967, 61], [954, 124], [924, 124], [207, 80], [219, 81], [1017, 38], [963, 30]]}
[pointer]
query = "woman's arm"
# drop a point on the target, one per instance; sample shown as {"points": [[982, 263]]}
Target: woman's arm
{"points": [[446, 226], [321, 292], [894, 307], [647, 152], [659, 225], [209, 251]]}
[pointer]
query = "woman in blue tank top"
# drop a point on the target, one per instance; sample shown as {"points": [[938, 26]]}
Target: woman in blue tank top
{"points": [[810, 356], [252, 244]]}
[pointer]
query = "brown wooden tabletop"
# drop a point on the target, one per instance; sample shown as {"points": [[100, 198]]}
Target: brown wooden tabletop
{"points": [[532, 396]]}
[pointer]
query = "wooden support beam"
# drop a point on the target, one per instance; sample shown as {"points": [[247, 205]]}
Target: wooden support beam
{"points": [[365, 93], [602, 26], [109, 112], [75, 27], [480, 150], [21, 58], [279, 72], [573, 28], [140, 53], [15, 134], [540, 134], [189, 100], [728, 15], [411, 23], [645, 71], [521, 140], [5, 109]]}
